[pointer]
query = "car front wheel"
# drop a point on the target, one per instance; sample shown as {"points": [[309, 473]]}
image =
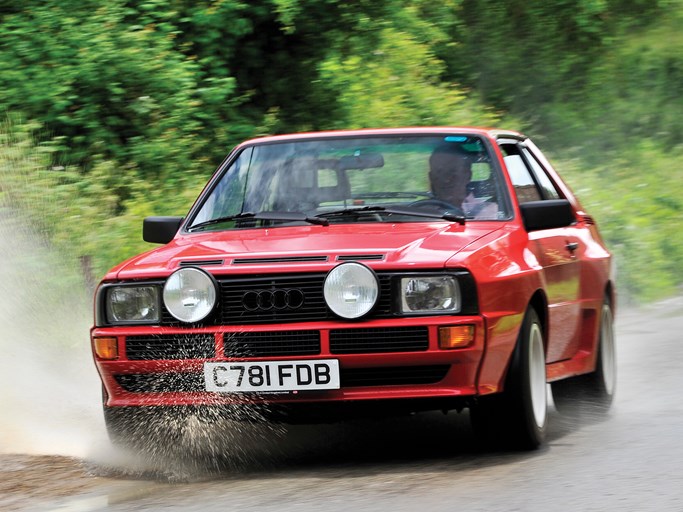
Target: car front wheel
{"points": [[518, 416]]}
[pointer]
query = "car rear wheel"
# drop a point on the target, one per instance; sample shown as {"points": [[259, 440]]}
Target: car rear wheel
{"points": [[593, 392], [518, 417]]}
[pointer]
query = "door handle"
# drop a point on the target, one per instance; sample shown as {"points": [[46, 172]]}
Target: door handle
{"points": [[572, 246]]}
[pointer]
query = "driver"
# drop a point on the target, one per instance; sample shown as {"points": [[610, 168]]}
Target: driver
{"points": [[450, 170], [449, 173]]}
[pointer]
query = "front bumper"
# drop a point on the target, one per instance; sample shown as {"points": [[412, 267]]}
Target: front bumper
{"points": [[381, 366]]}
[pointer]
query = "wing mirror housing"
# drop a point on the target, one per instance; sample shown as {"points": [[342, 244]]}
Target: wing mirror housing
{"points": [[160, 230], [553, 213]]}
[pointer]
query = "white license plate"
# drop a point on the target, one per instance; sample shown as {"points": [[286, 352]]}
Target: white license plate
{"points": [[268, 376]]}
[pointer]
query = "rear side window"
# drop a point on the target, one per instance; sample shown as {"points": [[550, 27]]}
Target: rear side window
{"points": [[529, 179], [523, 182], [547, 186]]}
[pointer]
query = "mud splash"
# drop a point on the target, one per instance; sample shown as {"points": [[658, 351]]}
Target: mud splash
{"points": [[49, 391]]}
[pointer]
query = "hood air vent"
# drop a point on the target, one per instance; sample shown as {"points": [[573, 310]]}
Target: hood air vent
{"points": [[360, 257], [200, 263], [291, 259]]}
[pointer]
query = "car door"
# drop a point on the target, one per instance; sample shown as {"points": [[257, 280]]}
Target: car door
{"points": [[557, 250]]}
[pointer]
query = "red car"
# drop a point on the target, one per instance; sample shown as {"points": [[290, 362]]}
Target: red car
{"points": [[322, 276]]}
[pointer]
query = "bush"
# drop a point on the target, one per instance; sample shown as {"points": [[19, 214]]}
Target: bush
{"points": [[81, 214], [639, 207]]}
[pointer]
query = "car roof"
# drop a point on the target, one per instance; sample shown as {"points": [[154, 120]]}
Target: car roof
{"points": [[373, 132]]}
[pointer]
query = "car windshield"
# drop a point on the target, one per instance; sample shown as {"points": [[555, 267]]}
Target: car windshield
{"points": [[355, 179]]}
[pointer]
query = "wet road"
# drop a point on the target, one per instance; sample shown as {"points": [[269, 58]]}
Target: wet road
{"points": [[629, 461]]}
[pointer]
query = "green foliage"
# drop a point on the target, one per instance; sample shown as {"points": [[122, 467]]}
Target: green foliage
{"points": [[633, 92], [637, 198], [130, 104], [522, 55], [80, 213], [111, 80], [396, 84]]}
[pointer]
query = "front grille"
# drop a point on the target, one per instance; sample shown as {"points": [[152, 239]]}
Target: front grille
{"points": [[278, 343], [173, 346], [239, 305], [373, 341], [353, 377], [263, 344], [161, 382], [236, 310], [271, 299]]}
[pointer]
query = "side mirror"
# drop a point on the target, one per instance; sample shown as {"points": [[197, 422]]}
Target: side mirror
{"points": [[553, 213], [160, 230]]}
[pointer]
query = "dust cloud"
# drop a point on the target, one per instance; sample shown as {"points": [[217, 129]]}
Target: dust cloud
{"points": [[49, 388]]}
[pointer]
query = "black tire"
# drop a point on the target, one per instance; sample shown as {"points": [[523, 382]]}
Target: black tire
{"points": [[593, 392], [517, 417]]}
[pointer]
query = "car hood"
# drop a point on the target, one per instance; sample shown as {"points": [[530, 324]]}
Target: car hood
{"points": [[310, 248]]}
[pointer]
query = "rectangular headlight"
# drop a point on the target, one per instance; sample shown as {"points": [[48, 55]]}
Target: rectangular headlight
{"points": [[430, 294], [132, 304]]}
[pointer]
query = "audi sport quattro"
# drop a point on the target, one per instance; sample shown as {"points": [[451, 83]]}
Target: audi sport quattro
{"points": [[321, 276]]}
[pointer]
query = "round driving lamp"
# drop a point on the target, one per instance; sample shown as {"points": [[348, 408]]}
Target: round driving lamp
{"points": [[190, 294], [351, 290]]}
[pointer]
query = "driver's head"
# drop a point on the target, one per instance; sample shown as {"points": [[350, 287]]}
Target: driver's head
{"points": [[449, 173]]}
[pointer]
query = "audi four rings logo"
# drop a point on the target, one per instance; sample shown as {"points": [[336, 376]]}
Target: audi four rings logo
{"points": [[273, 299]]}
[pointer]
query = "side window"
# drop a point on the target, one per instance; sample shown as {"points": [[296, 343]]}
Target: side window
{"points": [[523, 182], [547, 186], [227, 196]]}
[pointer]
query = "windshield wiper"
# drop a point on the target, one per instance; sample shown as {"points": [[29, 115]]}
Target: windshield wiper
{"points": [[406, 210], [286, 216]]}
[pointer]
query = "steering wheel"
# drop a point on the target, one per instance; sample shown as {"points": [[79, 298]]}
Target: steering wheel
{"points": [[437, 204]]}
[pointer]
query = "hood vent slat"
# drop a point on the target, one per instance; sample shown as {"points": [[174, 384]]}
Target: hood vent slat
{"points": [[289, 259], [200, 263], [361, 257]]}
